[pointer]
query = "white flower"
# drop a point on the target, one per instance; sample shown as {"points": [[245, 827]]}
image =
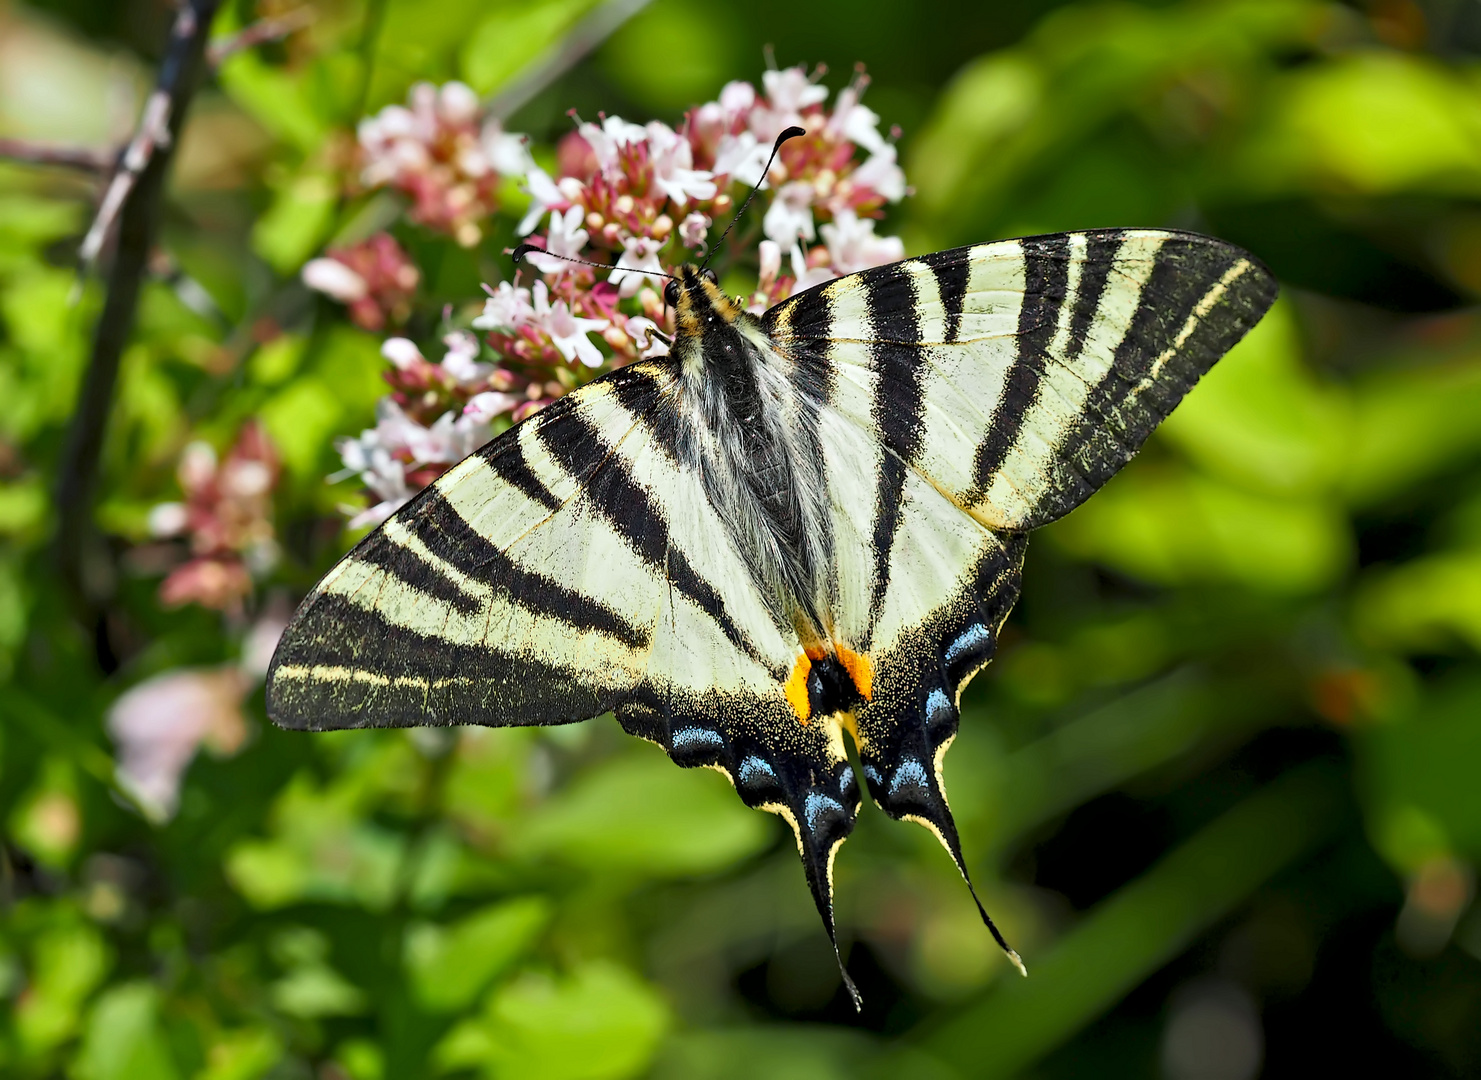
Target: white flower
{"points": [[508, 153], [161, 723], [807, 276], [491, 403], [882, 174], [854, 122], [742, 157], [197, 466], [737, 97], [262, 639], [457, 103], [568, 332], [507, 309], [545, 195], [639, 263], [693, 230], [790, 90], [451, 438], [334, 279], [672, 166], [606, 141], [853, 246], [790, 214], [168, 519], [402, 352], [565, 241], [461, 359], [644, 332]]}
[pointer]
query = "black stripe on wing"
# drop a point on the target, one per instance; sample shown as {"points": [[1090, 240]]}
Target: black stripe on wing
{"points": [[897, 409], [582, 451], [341, 665], [1046, 269], [448, 536], [1128, 403]]}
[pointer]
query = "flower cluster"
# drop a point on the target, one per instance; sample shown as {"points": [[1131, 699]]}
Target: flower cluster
{"points": [[226, 519], [375, 279], [435, 416], [441, 151], [627, 204]]}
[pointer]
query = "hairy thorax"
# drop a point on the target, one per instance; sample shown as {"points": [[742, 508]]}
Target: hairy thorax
{"points": [[753, 443]]}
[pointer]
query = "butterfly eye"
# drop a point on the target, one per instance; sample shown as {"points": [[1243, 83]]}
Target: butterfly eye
{"points": [[671, 294], [710, 276]]}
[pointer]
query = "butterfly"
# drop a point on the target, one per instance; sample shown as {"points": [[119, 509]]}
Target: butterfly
{"points": [[793, 526]]}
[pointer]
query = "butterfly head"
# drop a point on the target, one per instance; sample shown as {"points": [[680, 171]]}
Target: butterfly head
{"points": [[700, 306]]}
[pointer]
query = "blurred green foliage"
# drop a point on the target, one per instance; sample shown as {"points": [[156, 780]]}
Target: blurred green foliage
{"points": [[1223, 773]]}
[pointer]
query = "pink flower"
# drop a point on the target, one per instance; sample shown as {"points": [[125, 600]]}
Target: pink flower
{"points": [[693, 230], [374, 278], [160, 724], [439, 151], [226, 519]]}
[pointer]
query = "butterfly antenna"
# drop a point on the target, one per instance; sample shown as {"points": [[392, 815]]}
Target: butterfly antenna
{"points": [[520, 252], [789, 133]]}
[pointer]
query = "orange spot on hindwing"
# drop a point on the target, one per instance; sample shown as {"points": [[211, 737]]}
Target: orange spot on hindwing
{"points": [[817, 682], [796, 688], [859, 669]]}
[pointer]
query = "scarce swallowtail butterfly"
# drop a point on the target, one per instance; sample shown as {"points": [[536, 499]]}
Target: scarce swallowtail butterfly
{"points": [[790, 527]]}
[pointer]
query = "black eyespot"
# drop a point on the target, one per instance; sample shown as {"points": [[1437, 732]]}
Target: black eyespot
{"points": [[710, 276], [671, 294]]}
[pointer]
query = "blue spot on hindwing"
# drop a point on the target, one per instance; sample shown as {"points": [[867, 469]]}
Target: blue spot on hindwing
{"points": [[815, 806], [754, 770], [690, 738], [937, 703], [910, 774], [972, 639]]}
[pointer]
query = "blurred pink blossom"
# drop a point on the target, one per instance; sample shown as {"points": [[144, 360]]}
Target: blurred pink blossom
{"points": [[440, 150], [375, 279], [226, 519]]}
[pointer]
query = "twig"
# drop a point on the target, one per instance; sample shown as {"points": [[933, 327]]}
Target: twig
{"points": [[84, 158], [133, 198], [560, 58], [259, 33]]}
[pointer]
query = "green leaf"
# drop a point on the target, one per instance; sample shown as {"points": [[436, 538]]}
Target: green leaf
{"points": [[296, 224], [1427, 604], [1420, 774], [274, 98], [124, 1040], [510, 38], [1169, 525], [601, 1023], [638, 813], [1262, 420], [1410, 423], [450, 965], [1376, 123], [245, 1054], [67, 962], [317, 990]]}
